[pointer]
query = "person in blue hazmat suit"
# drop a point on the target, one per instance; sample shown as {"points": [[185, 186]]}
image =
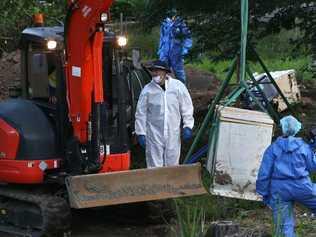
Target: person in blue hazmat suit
{"points": [[163, 106], [284, 177], [175, 42]]}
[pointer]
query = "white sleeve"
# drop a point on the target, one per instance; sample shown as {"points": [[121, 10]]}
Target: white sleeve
{"points": [[141, 114], [186, 107]]}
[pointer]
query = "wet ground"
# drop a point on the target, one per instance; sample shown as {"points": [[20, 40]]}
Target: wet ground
{"points": [[150, 219]]}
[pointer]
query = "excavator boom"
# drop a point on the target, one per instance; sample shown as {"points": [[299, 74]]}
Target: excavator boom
{"points": [[84, 40]]}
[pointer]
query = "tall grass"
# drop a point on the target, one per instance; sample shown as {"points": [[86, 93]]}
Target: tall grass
{"points": [[220, 68], [277, 51], [190, 220]]}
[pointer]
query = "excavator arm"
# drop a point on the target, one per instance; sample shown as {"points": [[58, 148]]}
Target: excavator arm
{"points": [[83, 62]]}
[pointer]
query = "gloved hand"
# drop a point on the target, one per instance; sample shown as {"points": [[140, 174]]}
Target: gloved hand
{"points": [[186, 134], [142, 141]]}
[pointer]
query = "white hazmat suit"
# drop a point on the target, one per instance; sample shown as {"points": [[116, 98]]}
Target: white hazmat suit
{"points": [[158, 117]]}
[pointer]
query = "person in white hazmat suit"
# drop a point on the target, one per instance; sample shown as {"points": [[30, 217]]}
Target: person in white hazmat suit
{"points": [[162, 105]]}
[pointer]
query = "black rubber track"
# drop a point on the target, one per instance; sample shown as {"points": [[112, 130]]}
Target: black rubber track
{"points": [[55, 211]]}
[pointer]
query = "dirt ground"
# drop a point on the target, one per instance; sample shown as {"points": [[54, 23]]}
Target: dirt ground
{"points": [[120, 221], [9, 72]]}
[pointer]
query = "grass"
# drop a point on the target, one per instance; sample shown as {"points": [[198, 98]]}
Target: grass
{"points": [[146, 41], [277, 52], [190, 219], [220, 68]]}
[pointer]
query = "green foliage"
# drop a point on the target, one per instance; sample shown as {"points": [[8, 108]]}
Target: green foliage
{"points": [[216, 24], [17, 15], [147, 41], [220, 68], [190, 219], [276, 51]]}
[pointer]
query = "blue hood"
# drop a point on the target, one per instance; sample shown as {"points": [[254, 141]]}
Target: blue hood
{"points": [[289, 144]]}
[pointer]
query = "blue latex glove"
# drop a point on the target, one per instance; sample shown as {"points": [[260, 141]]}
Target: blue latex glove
{"points": [[187, 134], [142, 141]]}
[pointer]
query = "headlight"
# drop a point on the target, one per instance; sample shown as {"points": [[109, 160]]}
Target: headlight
{"points": [[122, 41], [51, 44], [104, 17]]}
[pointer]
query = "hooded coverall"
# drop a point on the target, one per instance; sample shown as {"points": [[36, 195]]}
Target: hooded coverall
{"points": [[158, 117], [284, 179], [175, 43]]}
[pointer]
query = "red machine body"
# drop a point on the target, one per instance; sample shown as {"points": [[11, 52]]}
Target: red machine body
{"points": [[20, 171], [9, 141], [84, 37]]}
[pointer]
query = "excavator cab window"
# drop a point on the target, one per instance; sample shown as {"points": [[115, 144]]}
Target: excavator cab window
{"points": [[41, 76]]}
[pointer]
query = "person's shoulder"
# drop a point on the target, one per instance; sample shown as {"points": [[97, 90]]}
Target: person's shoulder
{"points": [[147, 87], [303, 144], [179, 84], [175, 81]]}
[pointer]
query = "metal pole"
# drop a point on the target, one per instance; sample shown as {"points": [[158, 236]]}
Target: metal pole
{"points": [[243, 39], [210, 112], [271, 79], [270, 109]]}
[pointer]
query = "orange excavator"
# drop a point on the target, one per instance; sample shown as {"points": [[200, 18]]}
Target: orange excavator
{"points": [[75, 152]]}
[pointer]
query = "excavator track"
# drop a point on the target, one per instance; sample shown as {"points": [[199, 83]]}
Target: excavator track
{"points": [[33, 213]]}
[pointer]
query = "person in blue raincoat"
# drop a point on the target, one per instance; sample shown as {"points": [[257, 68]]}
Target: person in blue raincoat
{"points": [[284, 177], [175, 43]]}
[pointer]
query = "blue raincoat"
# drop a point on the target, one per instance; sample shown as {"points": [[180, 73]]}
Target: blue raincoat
{"points": [[284, 178], [175, 43]]}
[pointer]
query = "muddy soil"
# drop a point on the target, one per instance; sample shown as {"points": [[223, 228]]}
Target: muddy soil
{"points": [[139, 220], [9, 72]]}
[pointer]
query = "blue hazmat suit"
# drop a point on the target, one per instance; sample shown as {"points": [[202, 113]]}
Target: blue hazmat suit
{"points": [[175, 43], [283, 179]]}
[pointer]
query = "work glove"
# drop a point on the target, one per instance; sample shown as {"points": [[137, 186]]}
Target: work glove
{"points": [[142, 141], [187, 134]]}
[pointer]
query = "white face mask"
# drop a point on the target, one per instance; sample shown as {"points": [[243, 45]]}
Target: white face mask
{"points": [[157, 79]]}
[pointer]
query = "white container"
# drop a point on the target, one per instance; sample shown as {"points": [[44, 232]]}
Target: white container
{"points": [[286, 81], [243, 137]]}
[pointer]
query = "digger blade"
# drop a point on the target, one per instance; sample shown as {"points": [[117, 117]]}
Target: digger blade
{"points": [[134, 186]]}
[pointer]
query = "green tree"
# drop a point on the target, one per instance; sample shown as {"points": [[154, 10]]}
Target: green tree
{"points": [[17, 15]]}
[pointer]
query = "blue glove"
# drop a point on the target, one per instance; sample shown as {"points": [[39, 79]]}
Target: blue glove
{"points": [[187, 134], [142, 141]]}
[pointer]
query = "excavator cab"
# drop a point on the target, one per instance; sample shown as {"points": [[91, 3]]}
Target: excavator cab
{"points": [[43, 83]]}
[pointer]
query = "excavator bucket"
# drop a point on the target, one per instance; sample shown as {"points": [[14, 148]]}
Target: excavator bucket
{"points": [[134, 186]]}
